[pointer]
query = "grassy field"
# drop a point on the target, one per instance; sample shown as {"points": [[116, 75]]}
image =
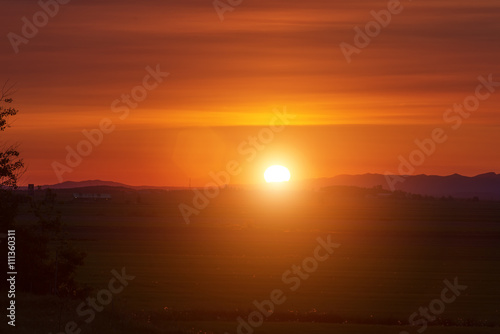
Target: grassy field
{"points": [[393, 258]]}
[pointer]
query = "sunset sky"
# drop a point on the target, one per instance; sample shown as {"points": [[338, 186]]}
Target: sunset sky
{"points": [[227, 77]]}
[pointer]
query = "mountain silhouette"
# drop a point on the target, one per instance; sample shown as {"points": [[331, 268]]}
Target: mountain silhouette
{"points": [[483, 186]]}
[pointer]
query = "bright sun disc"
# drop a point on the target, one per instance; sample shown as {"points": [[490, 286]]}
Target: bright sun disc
{"points": [[277, 173]]}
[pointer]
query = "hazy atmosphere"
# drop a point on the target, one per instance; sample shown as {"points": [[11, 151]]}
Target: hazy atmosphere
{"points": [[250, 167]]}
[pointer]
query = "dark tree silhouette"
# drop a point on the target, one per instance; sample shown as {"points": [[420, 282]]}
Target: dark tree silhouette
{"points": [[11, 168], [11, 165], [44, 255]]}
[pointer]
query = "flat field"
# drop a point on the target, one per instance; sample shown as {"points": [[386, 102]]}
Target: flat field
{"points": [[393, 258]]}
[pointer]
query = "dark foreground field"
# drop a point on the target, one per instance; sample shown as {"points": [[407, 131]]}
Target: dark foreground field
{"points": [[393, 260]]}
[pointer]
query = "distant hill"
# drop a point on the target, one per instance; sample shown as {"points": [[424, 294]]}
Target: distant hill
{"points": [[82, 184], [99, 183], [484, 186]]}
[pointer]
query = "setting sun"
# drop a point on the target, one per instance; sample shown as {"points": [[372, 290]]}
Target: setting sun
{"points": [[277, 173]]}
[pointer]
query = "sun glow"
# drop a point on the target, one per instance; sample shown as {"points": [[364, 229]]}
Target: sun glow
{"points": [[277, 173]]}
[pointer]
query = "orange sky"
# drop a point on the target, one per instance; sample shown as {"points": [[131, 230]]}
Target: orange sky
{"points": [[225, 79]]}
